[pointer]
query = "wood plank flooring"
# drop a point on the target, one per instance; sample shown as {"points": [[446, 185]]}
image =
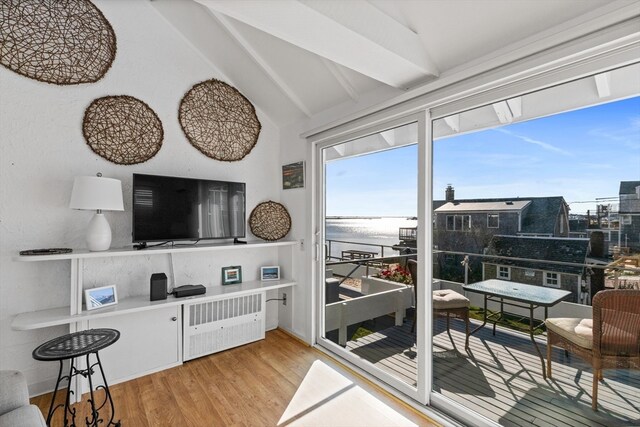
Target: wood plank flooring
{"points": [[250, 385], [502, 378]]}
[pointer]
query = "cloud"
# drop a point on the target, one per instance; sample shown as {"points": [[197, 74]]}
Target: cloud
{"points": [[542, 144], [629, 136]]}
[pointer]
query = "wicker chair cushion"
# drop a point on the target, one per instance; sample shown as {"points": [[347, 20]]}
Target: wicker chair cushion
{"points": [[578, 331], [446, 299]]}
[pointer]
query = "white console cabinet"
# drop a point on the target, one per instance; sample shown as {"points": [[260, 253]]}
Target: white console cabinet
{"points": [[149, 342], [151, 332]]}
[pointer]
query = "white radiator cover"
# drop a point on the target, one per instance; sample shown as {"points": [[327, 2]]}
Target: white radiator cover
{"points": [[213, 326]]}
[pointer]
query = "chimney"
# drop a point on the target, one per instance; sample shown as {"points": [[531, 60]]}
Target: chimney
{"points": [[597, 244], [449, 193]]}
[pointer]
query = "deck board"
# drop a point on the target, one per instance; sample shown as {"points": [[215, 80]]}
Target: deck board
{"points": [[501, 377]]}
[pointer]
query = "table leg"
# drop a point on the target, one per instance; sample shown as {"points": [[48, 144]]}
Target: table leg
{"points": [[94, 413], [55, 392], [67, 406], [533, 340], [107, 395], [484, 318], [499, 317]]}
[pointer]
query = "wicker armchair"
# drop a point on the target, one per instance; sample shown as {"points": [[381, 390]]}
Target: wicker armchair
{"points": [[610, 341], [446, 303]]}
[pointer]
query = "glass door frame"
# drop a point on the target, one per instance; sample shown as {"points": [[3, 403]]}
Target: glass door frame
{"points": [[527, 75], [419, 393]]}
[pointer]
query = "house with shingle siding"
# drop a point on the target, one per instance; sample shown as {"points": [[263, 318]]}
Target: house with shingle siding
{"points": [[542, 261], [629, 214]]}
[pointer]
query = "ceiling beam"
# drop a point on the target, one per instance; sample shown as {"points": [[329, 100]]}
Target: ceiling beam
{"points": [[508, 110], [603, 84], [342, 79], [453, 122], [260, 61], [353, 34]]}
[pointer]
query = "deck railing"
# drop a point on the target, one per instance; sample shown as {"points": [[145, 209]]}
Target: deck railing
{"points": [[329, 243], [368, 261]]}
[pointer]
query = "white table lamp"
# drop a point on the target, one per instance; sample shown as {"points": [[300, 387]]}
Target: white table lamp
{"points": [[97, 193]]}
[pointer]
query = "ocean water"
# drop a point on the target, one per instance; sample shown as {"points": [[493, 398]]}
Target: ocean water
{"points": [[369, 232]]}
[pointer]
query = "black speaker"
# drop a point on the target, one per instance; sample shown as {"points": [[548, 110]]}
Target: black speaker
{"points": [[158, 286]]}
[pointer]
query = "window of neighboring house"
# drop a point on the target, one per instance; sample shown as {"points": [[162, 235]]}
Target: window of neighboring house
{"points": [[504, 272], [625, 219], [450, 223], [458, 222], [552, 280], [493, 220]]}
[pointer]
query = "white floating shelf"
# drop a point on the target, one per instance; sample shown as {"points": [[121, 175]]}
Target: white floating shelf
{"points": [[129, 251], [61, 316]]}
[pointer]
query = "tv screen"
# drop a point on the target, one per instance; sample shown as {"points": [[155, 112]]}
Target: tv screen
{"points": [[171, 208]]}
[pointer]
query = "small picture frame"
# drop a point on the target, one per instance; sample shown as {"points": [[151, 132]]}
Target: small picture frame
{"points": [[231, 275], [100, 297], [293, 176], [270, 272]]}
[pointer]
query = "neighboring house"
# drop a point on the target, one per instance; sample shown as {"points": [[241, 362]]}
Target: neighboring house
{"points": [[539, 271], [629, 214], [468, 225]]}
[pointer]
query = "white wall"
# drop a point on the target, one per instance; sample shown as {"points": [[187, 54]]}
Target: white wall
{"points": [[42, 149]]}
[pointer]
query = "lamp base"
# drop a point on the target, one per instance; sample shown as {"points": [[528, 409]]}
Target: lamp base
{"points": [[98, 233]]}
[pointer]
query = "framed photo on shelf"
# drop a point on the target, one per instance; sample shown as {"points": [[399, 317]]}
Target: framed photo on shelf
{"points": [[231, 275], [100, 297], [270, 272]]}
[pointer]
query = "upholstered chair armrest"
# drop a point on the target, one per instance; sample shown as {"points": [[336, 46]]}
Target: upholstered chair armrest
{"points": [[13, 391]]}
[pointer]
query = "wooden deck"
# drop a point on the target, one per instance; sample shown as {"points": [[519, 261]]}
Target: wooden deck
{"points": [[501, 377]]}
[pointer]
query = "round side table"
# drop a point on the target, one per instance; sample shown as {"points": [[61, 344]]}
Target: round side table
{"points": [[70, 346]]}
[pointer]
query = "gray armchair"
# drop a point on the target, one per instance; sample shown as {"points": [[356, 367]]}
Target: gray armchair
{"points": [[15, 410]]}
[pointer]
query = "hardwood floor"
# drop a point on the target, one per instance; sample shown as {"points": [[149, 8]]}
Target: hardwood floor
{"points": [[250, 385]]}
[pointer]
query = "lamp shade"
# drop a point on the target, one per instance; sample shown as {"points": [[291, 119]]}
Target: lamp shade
{"points": [[96, 193]]}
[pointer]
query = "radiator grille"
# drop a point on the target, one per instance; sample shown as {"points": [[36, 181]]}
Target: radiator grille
{"points": [[218, 325], [229, 308]]}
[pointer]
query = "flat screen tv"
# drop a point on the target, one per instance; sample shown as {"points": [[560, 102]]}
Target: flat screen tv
{"points": [[169, 208]]}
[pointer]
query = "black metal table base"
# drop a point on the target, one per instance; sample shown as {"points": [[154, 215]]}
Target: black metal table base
{"points": [[69, 412], [72, 347], [531, 307]]}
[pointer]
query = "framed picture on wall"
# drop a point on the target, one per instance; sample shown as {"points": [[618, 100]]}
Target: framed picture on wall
{"points": [[100, 297], [293, 176], [231, 275], [270, 272]]}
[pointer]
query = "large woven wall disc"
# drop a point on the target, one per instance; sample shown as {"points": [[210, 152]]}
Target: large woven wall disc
{"points": [[219, 121], [270, 221], [122, 129], [64, 42]]}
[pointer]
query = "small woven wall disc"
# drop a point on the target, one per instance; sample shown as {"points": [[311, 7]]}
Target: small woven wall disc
{"points": [[219, 121], [122, 129], [63, 42], [270, 221]]}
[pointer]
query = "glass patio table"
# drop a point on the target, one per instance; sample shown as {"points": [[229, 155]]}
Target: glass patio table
{"points": [[516, 294]]}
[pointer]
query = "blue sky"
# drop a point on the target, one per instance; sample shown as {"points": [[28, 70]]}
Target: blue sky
{"points": [[580, 155]]}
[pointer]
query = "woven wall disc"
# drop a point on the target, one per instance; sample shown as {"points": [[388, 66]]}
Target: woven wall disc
{"points": [[219, 121], [64, 42], [122, 129], [270, 221]]}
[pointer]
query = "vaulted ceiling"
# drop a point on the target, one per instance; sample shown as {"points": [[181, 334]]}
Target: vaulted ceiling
{"points": [[296, 58]]}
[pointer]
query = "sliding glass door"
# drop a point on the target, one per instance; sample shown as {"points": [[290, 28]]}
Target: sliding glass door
{"points": [[534, 200], [368, 238]]}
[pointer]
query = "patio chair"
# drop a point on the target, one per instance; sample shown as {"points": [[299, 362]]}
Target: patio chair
{"points": [[611, 340], [445, 303]]}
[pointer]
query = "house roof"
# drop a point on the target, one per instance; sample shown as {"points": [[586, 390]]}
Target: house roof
{"points": [[539, 248], [539, 213], [628, 187], [509, 205]]}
